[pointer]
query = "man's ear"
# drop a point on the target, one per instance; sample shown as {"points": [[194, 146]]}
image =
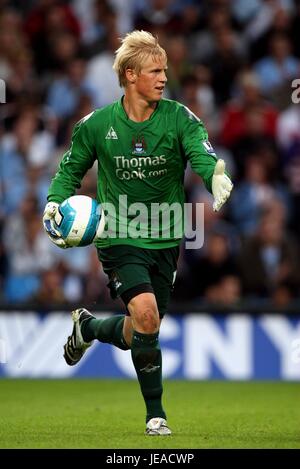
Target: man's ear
{"points": [[130, 75]]}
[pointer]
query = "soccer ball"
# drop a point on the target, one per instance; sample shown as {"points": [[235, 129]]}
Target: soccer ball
{"points": [[79, 219]]}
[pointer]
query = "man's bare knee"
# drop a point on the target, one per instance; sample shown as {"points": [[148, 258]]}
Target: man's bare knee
{"points": [[148, 320], [144, 313]]}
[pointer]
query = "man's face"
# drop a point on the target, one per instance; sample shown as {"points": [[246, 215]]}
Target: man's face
{"points": [[151, 80]]}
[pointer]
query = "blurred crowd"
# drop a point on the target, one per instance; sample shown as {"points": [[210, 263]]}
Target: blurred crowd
{"points": [[233, 63]]}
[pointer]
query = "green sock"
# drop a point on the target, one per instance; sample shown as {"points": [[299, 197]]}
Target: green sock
{"points": [[146, 357], [108, 330]]}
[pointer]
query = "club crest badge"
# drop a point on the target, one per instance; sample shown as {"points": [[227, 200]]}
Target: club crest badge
{"points": [[138, 145]]}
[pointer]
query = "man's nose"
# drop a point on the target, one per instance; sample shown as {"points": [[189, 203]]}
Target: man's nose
{"points": [[164, 77]]}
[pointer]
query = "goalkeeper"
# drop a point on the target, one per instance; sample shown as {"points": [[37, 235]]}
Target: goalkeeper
{"points": [[142, 144]]}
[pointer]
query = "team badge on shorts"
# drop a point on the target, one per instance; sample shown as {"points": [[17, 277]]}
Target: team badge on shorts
{"points": [[114, 285]]}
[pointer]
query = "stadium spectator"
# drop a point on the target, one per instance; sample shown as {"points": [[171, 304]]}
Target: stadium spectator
{"points": [[100, 72], [284, 295], [291, 169], [234, 119], [65, 92], [276, 70], [178, 65], [96, 18], [50, 27], [268, 258], [227, 292], [202, 42], [253, 194], [288, 128], [217, 263], [26, 147], [226, 61], [50, 292], [158, 15], [28, 252], [279, 21]]}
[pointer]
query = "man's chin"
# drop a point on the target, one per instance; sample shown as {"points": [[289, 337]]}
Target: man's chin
{"points": [[157, 97]]}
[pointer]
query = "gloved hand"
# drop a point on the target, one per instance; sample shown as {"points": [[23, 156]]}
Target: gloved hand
{"points": [[221, 185], [48, 222]]}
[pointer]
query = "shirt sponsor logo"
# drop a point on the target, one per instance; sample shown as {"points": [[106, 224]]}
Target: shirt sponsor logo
{"points": [[140, 167]]}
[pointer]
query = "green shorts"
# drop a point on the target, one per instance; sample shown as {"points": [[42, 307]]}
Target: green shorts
{"points": [[132, 270]]}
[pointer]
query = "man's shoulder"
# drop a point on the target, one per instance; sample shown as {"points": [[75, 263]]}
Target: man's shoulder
{"points": [[170, 105], [105, 111], [182, 112]]}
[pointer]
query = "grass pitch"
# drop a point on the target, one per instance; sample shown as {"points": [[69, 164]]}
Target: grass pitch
{"points": [[110, 414]]}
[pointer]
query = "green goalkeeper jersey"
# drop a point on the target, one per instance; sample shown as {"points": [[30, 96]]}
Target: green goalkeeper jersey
{"points": [[140, 167]]}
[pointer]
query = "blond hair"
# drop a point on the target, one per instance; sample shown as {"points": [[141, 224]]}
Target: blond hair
{"points": [[136, 47]]}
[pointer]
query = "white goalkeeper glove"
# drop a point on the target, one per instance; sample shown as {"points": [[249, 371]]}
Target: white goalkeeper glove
{"points": [[221, 185], [48, 222]]}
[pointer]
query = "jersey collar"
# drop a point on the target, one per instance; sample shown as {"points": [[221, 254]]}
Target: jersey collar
{"points": [[131, 122]]}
